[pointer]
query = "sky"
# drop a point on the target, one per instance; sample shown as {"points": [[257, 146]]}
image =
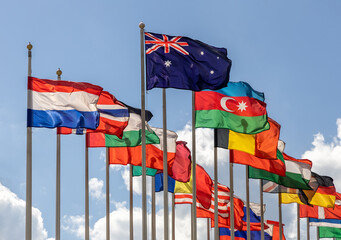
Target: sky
{"points": [[290, 50]]}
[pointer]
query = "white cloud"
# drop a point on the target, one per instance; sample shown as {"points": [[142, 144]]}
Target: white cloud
{"points": [[96, 188], [137, 182], [204, 145], [12, 217], [326, 157], [119, 224]]}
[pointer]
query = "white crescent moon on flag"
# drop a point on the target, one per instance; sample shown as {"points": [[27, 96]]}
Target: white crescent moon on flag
{"points": [[223, 103]]}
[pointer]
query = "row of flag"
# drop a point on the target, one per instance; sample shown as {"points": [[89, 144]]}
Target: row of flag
{"points": [[235, 111]]}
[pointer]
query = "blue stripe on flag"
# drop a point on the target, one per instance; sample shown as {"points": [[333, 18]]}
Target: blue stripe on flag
{"points": [[62, 118], [159, 183], [336, 221], [115, 112]]}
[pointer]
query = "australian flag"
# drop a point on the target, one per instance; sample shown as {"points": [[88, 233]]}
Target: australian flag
{"points": [[184, 63]]}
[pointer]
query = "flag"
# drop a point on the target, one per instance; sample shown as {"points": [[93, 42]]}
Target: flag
{"points": [[328, 232], [183, 63], [137, 171], [272, 166], [62, 104], [131, 135], [323, 193], [298, 173], [262, 145], [114, 117], [203, 186], [124, 155], [335, 223], [237, 107], [321, 212], [181, 169], [223, 206], [273, 230]]}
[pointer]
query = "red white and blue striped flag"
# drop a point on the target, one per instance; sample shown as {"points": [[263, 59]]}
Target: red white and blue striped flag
{"points": [[62, 104]]}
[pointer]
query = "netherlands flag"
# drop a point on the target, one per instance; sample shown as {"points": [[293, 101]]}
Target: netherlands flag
{"points": [[62, 104]]}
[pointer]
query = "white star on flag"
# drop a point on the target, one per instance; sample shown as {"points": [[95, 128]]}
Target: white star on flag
{"points": [[168, 63], [242, 106]]}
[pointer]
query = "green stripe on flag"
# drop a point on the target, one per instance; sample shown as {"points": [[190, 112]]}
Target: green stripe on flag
{"points": [[137, 171], [291, 180], [223, 119], [329, 232], [131, 139]]}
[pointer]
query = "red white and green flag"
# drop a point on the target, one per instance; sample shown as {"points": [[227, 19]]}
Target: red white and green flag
{"points": [[237, 107]]}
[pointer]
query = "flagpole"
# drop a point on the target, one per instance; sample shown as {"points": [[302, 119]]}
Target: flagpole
{"points": [[231, 201], [208, 220], [28, 221], [216, 226], [261, 208], [143, 136], [86, 192], [194, 187], [280, 215], [165, 166], [107, 196], [59, 73], [247, 202], [173, 216], [298, 222], [131, 209], [308, 230], [153, 210]]}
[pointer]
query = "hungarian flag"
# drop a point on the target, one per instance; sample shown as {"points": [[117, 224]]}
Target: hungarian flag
{"points": [[328, 232], [203, 186], [298, 173], [62, 104], [272, 166], [131, 135], [121, 152], [237, 107], [261, 145], [183, 63], [321, 212], [323, 193], [223, 206]]}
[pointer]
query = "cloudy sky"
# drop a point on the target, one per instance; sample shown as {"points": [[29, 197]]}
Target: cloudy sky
{"points": [[290, 50]]}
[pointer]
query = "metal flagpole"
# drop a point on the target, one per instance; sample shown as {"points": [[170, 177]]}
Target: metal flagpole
{"points": [[308, 230], [248, 202], [28, 221], [231, 202], [143, 136], [107, 196], [298, 222], [216, 226], [86, 192], [153, 210], [318, 233], [173, 216], [165, 166], [59, 73], [131, 209], [208, 220], [280, 215], [194, 187], [261, 208]]}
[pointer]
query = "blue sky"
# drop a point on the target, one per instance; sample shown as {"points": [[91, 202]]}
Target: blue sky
{"points": [[290, 50]]}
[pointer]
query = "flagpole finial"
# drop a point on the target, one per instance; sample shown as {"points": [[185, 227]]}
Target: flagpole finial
{"points": [[29, 46], [142, 25], [59, 72]]}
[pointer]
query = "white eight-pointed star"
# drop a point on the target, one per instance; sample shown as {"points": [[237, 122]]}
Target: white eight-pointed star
{"points": [[211, 71], [242, 106], [168, 63], [202, 53]]}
